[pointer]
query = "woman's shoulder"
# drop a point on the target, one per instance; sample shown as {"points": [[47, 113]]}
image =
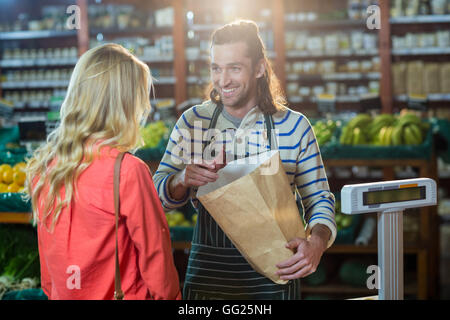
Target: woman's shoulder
{"points": [[131, 162]]}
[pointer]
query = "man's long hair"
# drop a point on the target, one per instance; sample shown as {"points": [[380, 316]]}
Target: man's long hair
{"points": [[270, 95]]}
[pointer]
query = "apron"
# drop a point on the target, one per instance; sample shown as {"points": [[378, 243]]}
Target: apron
{"points": [[217, 270]]}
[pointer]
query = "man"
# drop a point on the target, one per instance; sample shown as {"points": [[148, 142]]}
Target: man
{"points": [[245, 95]]}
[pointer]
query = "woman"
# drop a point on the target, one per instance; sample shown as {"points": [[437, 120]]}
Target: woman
{"points": [[70, 183]]}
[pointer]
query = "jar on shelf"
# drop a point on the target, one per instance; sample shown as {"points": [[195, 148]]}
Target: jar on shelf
{"points": [[7, 54]]}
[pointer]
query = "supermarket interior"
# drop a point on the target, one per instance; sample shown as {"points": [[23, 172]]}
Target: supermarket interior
{"points": [[372, 77]]}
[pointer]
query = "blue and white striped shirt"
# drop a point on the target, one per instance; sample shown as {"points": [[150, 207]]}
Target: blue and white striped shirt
{"points": [[296, 142]]}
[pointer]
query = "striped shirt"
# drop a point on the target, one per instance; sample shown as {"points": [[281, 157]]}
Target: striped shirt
{"points": [[294, 138]]}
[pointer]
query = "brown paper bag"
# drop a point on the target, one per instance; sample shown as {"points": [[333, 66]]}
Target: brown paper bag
{"points": [[255, 207]]}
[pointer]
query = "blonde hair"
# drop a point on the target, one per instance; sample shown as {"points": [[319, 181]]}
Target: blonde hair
{"points": [[107, 98]]}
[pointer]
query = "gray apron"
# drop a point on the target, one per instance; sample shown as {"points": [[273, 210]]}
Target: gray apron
{"points": [[217, 270]]}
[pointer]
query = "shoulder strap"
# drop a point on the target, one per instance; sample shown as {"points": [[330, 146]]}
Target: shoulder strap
{"points": [[212, 124], [269, 126], [215, 116], [118, 293]]}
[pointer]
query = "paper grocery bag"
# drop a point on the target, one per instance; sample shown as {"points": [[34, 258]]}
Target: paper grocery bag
{"points": [[254, 205]]}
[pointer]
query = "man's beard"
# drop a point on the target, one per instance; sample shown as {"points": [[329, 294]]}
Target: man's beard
{"points": [[242, 101]]}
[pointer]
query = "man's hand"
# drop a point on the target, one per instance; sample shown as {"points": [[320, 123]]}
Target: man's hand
{"points": [[307, 254], [195, 175]]}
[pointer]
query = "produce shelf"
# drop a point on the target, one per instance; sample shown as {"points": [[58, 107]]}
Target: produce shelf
{"points": [[15, 217]]}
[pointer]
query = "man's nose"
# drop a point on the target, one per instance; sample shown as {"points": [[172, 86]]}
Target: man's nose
{"points": [[224, 79]]}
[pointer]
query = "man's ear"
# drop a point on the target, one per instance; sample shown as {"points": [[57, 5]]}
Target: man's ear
{"points": [[260, 68]]}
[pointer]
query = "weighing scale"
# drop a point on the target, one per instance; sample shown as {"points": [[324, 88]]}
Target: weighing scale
{"points": [[389, 199]]}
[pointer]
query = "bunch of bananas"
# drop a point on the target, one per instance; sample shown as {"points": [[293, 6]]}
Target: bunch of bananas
{"points": [[407, 129], [385, 130], [324, 130], [357, 130]]}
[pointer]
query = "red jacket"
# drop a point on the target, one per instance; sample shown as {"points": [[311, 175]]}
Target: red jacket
{"points": [[77, 259]]}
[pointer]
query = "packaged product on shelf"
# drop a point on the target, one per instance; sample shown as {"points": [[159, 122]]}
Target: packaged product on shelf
{"points": [[399, 78], [445, 77], [327, 67], [344, 41], [443, 38], [411, 40], [431, 78], [332, 43], [412, 8], [300, 41], [314, 45], [366, 66], [370, 41], [357, 40], [396, 8], [292, 88], [354, 9], [353, 66], [415, 83], [332, 88], [304, 91]]}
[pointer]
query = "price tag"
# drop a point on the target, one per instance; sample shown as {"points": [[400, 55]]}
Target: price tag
{"points": [[371, 101], [326, 103], [418, 102]]}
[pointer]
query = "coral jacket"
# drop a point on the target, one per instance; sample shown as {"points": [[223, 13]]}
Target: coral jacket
{"points": [[77, 258]]}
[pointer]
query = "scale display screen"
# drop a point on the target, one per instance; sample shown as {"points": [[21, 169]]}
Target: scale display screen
{"points": [[393, 195]]}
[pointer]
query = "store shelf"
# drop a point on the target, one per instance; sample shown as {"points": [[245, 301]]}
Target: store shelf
{"points": [[335, 24], [165, 59], [212, 26], [205, 57], [35, 84], [27, 35], [430, 97], [339, 99], [198, 80], [164, 80], [131, 31], [445, 18], [344, 76], [21, 63], [421, 51], [318, 54], [15, 217]]}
